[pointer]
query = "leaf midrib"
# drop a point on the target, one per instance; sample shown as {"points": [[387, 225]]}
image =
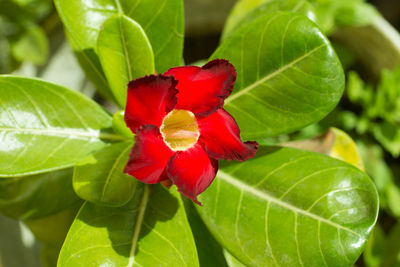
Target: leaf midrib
{"points": [[138, 225], [245, 187], [273, 74], [65, 132]]}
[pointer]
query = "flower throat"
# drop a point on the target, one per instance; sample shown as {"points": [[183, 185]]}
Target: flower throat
{"points": [[180, 130]]}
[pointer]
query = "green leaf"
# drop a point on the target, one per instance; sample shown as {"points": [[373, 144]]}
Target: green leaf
{"points": [[37, 196], [290, 207], [32, 46], [100, 177], [119, 125], [288, 75], [246, 11], [152, 229], [125, 54], [209, 251], [162, 22], [46, 127], [388, 135]]}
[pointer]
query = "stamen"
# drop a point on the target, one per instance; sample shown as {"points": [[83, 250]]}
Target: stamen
{"points": [[180, 130]]}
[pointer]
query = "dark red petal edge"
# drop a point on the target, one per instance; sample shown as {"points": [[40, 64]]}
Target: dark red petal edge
{"points": [[149, 99], [228, 84], [220, 135]]}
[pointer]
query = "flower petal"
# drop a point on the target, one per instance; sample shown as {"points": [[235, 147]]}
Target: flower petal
{"points": [[149, 156], [192, 171], [149, 99], [221, 136], [203, 90]]}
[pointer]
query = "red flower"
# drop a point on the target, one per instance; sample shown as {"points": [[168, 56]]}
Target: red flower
{"points": [[181, 128]]}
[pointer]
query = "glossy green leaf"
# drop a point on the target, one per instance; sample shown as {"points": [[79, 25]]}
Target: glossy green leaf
{"points": [[162, 22], [152, 229], [37, 196], [288, 75], [288, 207], [125, 54], [46, 127], [99, 178], [246, 11]]}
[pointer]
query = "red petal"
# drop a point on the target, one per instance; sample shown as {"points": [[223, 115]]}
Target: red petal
{"points": [[149, 99], [221, 136], [149, 156], [192, 171], [203, 90]]}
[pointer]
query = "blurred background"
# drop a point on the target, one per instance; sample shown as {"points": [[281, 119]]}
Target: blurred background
{"points": [[32, 43]]}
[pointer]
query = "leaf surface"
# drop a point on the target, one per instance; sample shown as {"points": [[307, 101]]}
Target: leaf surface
{"points": [[100, 178], [152, 229], [288, 207], [246, 11], [125, 54], [288, 75], [45, 127]]}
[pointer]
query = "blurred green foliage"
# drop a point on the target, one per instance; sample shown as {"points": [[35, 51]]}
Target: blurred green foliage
{"points": [[331, 14], [21, 36], [380, 109]]}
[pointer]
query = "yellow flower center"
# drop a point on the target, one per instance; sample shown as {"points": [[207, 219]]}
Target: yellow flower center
{"points": [[180, 130]]}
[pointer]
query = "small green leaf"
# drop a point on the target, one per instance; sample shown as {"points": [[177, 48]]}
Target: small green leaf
{"points": [[37, 196], [288, 207], [288, 75], [125, 54], [100, 178], [151, 230], [388, 135], [246, 11], [46, 127], [32, 46]]}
